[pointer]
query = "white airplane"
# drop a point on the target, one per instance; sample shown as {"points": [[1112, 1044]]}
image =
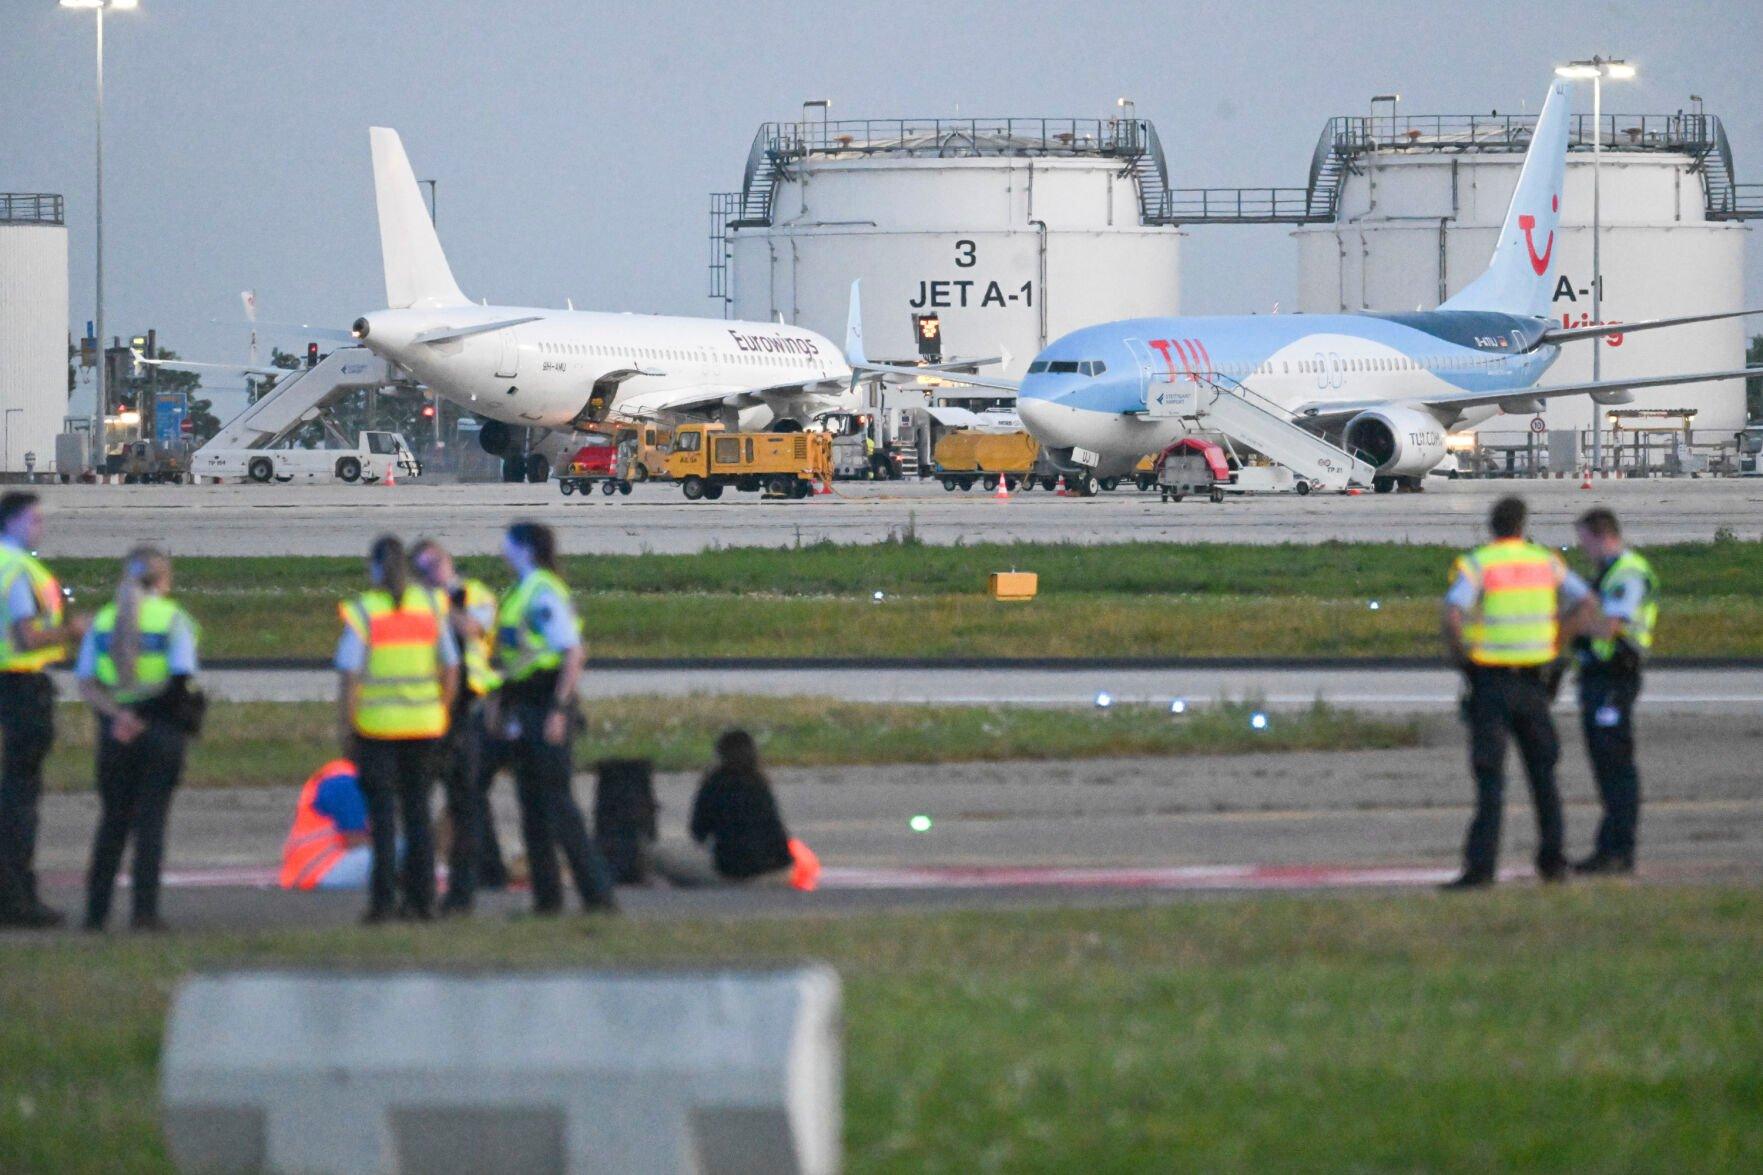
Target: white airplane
{"points": [[529, 367], [1385, 386]]}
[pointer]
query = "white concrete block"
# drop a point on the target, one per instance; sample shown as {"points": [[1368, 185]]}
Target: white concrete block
{"points": [[583, 1072]]}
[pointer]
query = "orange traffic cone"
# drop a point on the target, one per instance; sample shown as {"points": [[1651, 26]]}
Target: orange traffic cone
{"points": [[826, 487], [390, 480], [1586, 482], [1003, 492], [1060, 489]]}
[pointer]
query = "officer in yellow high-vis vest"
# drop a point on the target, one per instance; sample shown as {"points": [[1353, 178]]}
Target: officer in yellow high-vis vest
{"points": [[471, 759], [34, 634], [135, 670], [540, 655], [399, 666], [1502, 625], [1617, 638]]}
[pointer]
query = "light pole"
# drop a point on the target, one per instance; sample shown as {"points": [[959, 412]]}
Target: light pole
{"points": [[103, 394], [1595, 70], [433, 186]]}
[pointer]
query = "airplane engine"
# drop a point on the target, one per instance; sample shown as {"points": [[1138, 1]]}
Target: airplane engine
{"points": [[1618, 396], [1401, 442], [495, 437]]}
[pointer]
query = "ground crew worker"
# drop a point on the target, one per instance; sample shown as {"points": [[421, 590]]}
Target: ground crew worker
{"points": [[327, 848], [34, 634], [1502, 625], [540, 655], [399, 666], [470, 761], [135, 670], [1616, 641]]}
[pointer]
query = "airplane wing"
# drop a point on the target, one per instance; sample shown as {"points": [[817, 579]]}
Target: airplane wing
{"points": [[711, 396], [943, 372], [1522, 399], [446, 334], [1566, 334], [183, 364]]}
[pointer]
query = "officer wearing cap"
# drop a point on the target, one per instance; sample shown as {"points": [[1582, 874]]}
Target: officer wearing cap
{"points": [[1614, 642], [1502, 626]]}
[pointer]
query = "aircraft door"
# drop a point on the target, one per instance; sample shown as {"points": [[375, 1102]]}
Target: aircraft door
{"points": [[509, 365], [1157, 383]]}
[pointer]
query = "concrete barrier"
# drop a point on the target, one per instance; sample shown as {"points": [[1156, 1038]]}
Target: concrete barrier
{"points": [[614, 1072]]}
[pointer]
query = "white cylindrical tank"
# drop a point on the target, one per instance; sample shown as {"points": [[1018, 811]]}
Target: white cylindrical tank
{"points": [[33, 329], [1014, 233], [1417, 225]]}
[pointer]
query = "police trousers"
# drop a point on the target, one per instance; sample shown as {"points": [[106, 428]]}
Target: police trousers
{"points": [[135, 785], [27, 730], [396, 778], [550, 818], [473, 756], [1511, 704], [1606, 703]]}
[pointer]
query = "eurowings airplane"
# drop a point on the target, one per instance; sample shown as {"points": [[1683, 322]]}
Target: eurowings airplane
{"points": [[556, 369], [1384, 387]]}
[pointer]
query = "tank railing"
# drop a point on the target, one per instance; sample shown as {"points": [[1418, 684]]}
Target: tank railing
{"points": [[1241, 205], [32, 208], [957, 137], [1690, 133]]}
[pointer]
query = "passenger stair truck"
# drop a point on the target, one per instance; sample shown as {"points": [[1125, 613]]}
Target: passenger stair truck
{"points": [[1220, 404], [254, 444]]}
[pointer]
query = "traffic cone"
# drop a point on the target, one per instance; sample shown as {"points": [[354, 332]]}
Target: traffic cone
{"points": [[1060, 490], [1586, 482], [390, 470], [1003, 491], [826, 487]]}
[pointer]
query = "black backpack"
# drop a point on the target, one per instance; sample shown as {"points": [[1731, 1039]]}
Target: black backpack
{"points": [[625, 816]]}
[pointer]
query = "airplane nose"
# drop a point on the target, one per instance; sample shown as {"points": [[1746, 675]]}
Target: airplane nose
{"points": [[1043, 418]]}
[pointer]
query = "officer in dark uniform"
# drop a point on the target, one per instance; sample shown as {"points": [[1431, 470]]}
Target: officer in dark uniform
{"points": [[1614, 643], [1502, 625], [34, 634]]}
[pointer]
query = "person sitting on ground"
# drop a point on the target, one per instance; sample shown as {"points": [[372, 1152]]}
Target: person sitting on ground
{"points": [[327, 848], [737, 835]]}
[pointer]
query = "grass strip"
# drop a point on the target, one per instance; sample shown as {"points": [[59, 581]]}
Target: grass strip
{"points": [[1153, 599], [268, 744], [1601, 1028]]}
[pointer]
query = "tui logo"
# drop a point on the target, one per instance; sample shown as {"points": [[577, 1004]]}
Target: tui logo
{"points": [[1528, 223]]}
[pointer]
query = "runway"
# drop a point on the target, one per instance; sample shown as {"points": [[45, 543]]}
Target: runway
{"points": [[1668, 691], [337, 520]]}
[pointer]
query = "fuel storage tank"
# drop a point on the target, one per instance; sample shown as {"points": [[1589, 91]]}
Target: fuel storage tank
{"points": [[1013, 231], [1421, 200], [33, 328]]}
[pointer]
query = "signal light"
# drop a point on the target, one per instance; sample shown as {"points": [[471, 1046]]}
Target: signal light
{"points": [[428, 411], [312, 354]]}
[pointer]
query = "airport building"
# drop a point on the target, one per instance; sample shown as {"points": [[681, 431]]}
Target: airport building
{"points": [[1013, 231], [1417, 205], [33, 329]]}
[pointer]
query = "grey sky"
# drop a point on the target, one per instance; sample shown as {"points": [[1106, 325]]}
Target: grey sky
{"points": [[575, 144]]}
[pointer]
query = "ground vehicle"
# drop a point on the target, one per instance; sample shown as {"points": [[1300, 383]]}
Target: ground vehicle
{"points": [[1750, 446], [145, 462], [706, 460], [647, 446], [967, 457], [1192, 466], [374, 456], [596, 461]]}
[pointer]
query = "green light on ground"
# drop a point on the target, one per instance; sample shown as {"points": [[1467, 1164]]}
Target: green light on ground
{"points": [[919, 823]]}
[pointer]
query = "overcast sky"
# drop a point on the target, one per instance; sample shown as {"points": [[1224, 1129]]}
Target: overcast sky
{"points": [[575, 143]]}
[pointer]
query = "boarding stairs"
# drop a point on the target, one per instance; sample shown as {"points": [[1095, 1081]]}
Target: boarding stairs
{"points": [[1214, 402], [300, 396]]}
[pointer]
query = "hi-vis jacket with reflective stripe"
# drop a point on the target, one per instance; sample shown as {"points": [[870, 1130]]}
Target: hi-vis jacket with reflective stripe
{"points": [[1515, 621], [14, 563], [478, 654], [521, 647], [315, 844], [401, 695], [159, 618], [1630, 571]]}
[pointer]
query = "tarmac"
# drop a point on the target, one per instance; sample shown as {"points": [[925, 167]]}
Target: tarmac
{"points": [[1024, 834], [343, 519]]}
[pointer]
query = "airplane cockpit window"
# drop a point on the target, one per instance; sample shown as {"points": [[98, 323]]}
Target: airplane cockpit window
{"points": [[1062, 367], [1037, 367]]}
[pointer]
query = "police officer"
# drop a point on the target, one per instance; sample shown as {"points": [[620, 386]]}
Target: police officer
{"points": [[135, 669], [34, 633], [470, 760], [1502, 625], [540, 656], [399, 666], [1616, 639]]}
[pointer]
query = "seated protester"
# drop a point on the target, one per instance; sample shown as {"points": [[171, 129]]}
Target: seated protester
{"points": [[328, 846], [737, 835]]}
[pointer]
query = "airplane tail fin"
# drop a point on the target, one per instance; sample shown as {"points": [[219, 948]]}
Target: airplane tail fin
{"points": [[417, 273], [1519, 278], [854, 327]]}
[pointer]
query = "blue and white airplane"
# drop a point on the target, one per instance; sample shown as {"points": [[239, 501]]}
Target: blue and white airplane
{"points": [[1383, 387]]}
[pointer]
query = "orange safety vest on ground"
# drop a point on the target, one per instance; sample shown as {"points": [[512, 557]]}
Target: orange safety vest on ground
{"points": [[314, 844], [805, 866]]}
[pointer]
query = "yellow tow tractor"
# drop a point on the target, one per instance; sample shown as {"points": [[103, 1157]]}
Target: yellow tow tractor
{"points": [[706, 459]]}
